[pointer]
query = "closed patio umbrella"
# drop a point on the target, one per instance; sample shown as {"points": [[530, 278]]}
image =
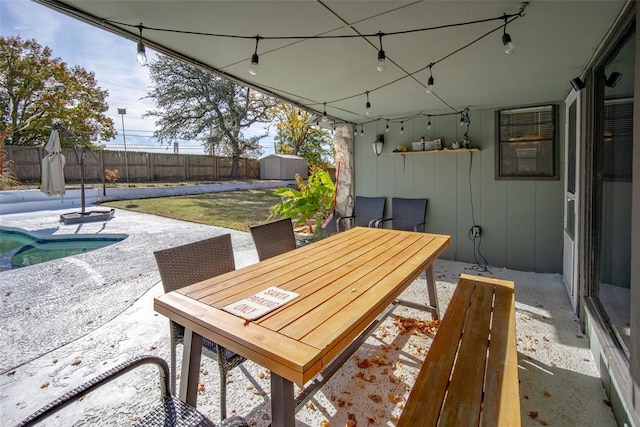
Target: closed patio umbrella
{"points": [[53, 168]]}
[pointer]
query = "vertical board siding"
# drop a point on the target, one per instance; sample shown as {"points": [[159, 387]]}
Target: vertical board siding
{"points": [[521, 220]]}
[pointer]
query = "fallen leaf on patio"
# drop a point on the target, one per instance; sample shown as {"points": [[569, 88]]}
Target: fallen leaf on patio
{"points": [[364, 364], [341, 403], [546, 394], [371, 420], [153, 347], [260, 393], [533, 414], [351, 422], [45, 385], [55, 361], [324, 423], [375, 397], [249, 387], [8, 294], [76, 362], [310, 405], [262, 375], [394, 398], [27, 308], [392, 379], [200, 388], [606, 402], [544, 423]]}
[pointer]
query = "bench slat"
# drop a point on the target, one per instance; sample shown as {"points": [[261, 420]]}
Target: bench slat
{"points": [[464, 400], [432, 381], [502, 404]]}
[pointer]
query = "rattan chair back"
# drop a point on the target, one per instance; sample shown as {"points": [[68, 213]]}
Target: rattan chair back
{"points": [[273, 238]]}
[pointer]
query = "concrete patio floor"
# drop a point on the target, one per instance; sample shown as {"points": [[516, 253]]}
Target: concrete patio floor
{"points": [[67, 320]]}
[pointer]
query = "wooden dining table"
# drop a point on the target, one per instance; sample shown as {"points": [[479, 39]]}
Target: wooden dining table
{"points": [[344, 284]]}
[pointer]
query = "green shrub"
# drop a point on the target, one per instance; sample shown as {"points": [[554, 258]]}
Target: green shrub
{"points": [[312, 200]]}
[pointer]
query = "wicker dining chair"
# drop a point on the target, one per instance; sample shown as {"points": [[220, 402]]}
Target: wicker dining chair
{"points": [[406, 214], [273, 238], [170, 412], [366, 211], [188, 264]]}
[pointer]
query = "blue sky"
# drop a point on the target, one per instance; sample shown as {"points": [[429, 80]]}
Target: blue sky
{"points": [[111, 58]]}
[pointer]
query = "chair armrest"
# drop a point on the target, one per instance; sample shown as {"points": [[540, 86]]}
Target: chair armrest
{"points": [[420, 224], [96, 382], [373, 222], [378, 223], [339, 219]]}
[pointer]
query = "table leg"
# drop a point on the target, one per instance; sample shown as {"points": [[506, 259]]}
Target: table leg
{"points": [[283, 407], [431, 290], [190, 372]]}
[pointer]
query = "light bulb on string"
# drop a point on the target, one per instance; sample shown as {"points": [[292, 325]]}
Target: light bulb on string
{"points": [[430, 81], [324, 113], [387, 129], [362, 131], [429, 123], [141, 57], [381, 55], [461, 119], [506, 39], [368, 105], [253, 68], [401, 128]]}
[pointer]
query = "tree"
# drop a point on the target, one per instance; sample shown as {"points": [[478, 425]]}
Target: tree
{"points": [[296, 136], [37, 91], [193, 103]]}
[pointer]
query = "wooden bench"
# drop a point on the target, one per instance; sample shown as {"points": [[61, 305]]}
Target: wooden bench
{"points": [[470, 374]]}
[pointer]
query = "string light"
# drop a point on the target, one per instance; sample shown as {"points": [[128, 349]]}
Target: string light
{"points": [[381, 56], [401, 128], [253, 68], [141, 57], [387, 129], [324, 113], [430, 80], [429, 123], [362, 131], [506, 39]]}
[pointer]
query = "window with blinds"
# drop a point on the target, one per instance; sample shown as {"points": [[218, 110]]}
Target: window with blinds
{"points": [[527, 143], [617, 151]]}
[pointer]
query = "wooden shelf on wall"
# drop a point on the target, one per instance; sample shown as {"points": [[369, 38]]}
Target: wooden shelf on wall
{"points": [[459, 150]]}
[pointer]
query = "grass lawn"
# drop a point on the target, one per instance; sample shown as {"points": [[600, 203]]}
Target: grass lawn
{"points": [[230, 209]]}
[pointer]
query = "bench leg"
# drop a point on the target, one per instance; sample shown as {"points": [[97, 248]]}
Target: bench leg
{"points": [[431, 291]]}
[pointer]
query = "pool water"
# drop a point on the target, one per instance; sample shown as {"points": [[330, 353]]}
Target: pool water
{"points": [[20, 248]]}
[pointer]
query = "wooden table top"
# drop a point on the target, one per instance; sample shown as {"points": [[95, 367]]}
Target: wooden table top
{"points": [[344, 282]]}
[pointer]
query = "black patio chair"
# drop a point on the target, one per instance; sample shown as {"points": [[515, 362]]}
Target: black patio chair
{"points": [[406, 214], [188, 264], [170, 412], [273, 238], [366, 211]]}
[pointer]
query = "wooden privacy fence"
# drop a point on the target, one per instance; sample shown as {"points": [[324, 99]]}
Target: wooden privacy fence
{"points": [[141, 166]]}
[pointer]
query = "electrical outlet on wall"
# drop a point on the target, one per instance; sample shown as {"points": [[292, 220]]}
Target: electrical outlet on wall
{"points": [[476, 231]]}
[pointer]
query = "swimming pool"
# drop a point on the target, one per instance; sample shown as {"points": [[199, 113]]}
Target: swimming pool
{"points": [[20, 248]]}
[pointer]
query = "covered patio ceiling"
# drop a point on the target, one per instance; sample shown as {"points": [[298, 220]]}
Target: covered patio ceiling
{"points": [[553, 43]]}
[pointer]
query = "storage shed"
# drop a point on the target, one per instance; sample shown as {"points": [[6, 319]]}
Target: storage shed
{"points": [[283, 166]]}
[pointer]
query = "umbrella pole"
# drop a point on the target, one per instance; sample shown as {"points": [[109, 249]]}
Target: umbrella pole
{"points": [[82, 181]]}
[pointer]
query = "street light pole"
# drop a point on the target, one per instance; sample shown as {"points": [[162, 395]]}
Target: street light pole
{"points": [[122, 112]]}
